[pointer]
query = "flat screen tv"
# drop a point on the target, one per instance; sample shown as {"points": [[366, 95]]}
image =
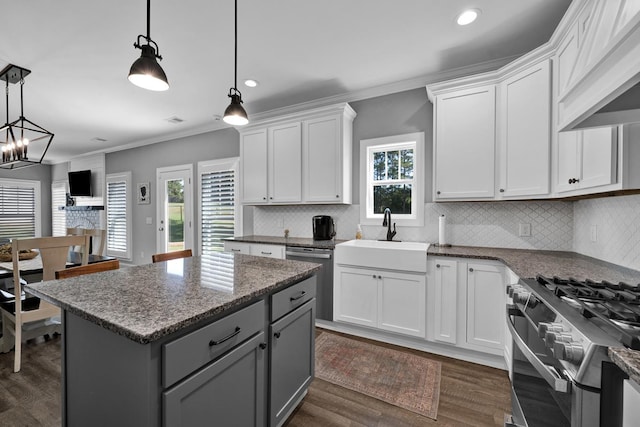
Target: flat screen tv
{"points": [[80, 183]]}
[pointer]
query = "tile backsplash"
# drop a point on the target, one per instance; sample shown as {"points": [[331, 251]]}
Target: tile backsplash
{"points": [[615, 225], [473, 224]]}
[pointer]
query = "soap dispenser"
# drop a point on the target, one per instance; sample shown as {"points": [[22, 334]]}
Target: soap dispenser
{"points": [[358, 232]]}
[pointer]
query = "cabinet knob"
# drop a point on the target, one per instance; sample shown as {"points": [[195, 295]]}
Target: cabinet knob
{"points": [[276, 335], [337, 196], [374, 276], [271, 198], [502, 190], [471, 269], [438, 192], [437, 265], [264, 198], [263, 345]]}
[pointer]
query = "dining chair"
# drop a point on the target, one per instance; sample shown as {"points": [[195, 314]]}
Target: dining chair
{"points": [[166, 256], [98, 238], [19, 316], [96, 267]]}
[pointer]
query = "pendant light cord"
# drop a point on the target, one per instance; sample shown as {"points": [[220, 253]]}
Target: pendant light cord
{"points": [[148, 20], [235, 53]]}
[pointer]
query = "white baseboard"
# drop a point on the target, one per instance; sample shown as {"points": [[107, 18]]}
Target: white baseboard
{"points": [[491, 360]]}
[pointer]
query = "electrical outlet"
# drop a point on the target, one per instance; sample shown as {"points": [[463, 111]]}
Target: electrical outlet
{"points": [[149, 220], [594, 233], [142, 254], [524, 230]]}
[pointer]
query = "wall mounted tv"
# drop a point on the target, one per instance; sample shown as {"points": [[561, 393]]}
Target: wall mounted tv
{"points": [[80, 183]]}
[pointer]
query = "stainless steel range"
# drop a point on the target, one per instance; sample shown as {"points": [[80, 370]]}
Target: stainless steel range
{"points": [[561, 331]]}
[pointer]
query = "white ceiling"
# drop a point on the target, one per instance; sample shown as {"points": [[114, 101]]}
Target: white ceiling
{"points": [[80, 53]]}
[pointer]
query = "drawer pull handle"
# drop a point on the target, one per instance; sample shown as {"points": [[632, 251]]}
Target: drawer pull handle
{"points": [[235, 250], [276, 335], [227, 338], [263, 345], [303, 293], [471, 270], [266, 253]]}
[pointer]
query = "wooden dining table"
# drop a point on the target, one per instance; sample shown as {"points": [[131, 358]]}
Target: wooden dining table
{"points": [[34, 266]]}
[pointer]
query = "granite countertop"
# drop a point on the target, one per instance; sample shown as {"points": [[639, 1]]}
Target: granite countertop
{"points": [[527, 263], [628, 360], [301, 242], [147, 302]]}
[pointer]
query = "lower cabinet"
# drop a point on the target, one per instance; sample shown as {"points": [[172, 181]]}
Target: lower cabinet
{"points": [[467, 303], [386, 300], [292, 365], [230, 391]]}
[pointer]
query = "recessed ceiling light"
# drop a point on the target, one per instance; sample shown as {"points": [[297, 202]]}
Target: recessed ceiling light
{"points": [[98, 139], [468, 16], [251, 83], [175, 120]]}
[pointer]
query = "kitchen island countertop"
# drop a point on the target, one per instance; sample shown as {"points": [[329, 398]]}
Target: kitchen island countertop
{"points": [[147, 302]]}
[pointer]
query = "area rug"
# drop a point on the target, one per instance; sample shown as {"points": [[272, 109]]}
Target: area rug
{"points": [[402, 379]]}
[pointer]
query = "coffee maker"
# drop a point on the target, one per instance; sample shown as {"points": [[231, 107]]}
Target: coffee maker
{"points": [[323, 227]]}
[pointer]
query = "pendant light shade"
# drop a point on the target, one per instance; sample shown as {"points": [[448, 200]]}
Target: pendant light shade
{"points": [[145, 71], [235, 113]]}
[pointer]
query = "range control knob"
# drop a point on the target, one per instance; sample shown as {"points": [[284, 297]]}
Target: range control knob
{"points": [[521, 296], [569, 351], [544, 327], [550, 338]]}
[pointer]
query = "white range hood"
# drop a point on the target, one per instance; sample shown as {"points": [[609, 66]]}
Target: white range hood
{"points": [[604, 85]]}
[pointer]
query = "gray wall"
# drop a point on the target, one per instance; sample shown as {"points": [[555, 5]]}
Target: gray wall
{"points": [[40, 173], [143, 162], [395, 114]]}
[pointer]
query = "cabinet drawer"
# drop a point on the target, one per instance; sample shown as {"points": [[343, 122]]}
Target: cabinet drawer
{"points": [[271, 251], [237, 247], [292, 297], [184, 355]]}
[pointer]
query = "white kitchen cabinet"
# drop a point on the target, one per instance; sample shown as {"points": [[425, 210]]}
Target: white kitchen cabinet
{"points": [[445, 301], [271, 164], [285, 163], [253, 152], [466, 304], [586, 159], [524, 140], [326, 157], [257, 249], [303, 157], [464, 144], [485, 306], [390, 301]]}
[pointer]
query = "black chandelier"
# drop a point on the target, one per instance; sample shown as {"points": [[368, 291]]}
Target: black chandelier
{"points": [[235, 114], [145, 71], [19, 136]]}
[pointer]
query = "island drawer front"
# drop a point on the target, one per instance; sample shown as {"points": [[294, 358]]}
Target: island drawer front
{"points": [[292, 297], [184, 355]]}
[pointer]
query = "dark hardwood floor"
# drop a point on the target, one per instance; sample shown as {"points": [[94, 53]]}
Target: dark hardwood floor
{"points": [[470, 395]]}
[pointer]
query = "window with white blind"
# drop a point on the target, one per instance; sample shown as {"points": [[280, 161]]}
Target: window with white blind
{"points": [[119, 215], [19, 208], [218, 211], [58, 216]]}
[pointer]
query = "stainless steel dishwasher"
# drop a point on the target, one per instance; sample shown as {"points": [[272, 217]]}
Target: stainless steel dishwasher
{"points": [[324, 293]]}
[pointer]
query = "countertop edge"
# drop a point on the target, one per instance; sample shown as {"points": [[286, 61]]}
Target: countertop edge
{"points": [[628, 360], [156, 335]]}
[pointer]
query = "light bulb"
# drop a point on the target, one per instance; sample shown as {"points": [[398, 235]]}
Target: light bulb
{"points": [[467, 16]]}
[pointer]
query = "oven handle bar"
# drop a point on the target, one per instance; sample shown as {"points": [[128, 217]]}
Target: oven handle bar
{"points": [[558, 383]]}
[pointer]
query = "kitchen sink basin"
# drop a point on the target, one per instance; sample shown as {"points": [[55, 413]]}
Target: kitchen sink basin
{"points": [[391, 255]]}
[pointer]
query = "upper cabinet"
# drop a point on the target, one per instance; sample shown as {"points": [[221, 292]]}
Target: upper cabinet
{"points": [[465, 144], [298, 158], [524, 139]]}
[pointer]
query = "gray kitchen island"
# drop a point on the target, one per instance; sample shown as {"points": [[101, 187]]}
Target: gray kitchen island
{"points": [[220, 339]]}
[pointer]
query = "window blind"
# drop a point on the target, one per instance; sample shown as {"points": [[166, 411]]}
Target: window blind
{"points": [[217, 209], [17, 210], [58, 216], [118, 234]]}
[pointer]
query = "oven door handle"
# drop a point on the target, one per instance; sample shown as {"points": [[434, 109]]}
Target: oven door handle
{"points": [[554, 379]]}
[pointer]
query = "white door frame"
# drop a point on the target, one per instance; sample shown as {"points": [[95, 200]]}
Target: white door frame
{"points": [[188, 202]]}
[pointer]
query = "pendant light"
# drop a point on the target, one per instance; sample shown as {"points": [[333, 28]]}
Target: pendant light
{"points": [[235, 114], [22, 137], [145, 71]]}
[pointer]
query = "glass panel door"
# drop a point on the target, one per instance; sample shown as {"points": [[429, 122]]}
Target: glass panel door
{"points": [[174, 209]]}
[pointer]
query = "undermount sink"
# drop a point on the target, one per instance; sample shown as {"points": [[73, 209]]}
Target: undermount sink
{"points": [[392, 255]]}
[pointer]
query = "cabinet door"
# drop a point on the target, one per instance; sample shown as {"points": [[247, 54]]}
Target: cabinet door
{"points": [[525, 132], [356, 296], [465, 144], [486, 306], [445, 301], [230, 391], [599, 157], [292, 360], [253, 155], [322, 160], [402, 302], [285, 163], [568, 160]]}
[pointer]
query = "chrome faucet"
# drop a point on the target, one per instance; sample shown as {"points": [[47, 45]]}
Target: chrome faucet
{"points": [[387, 223]]}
